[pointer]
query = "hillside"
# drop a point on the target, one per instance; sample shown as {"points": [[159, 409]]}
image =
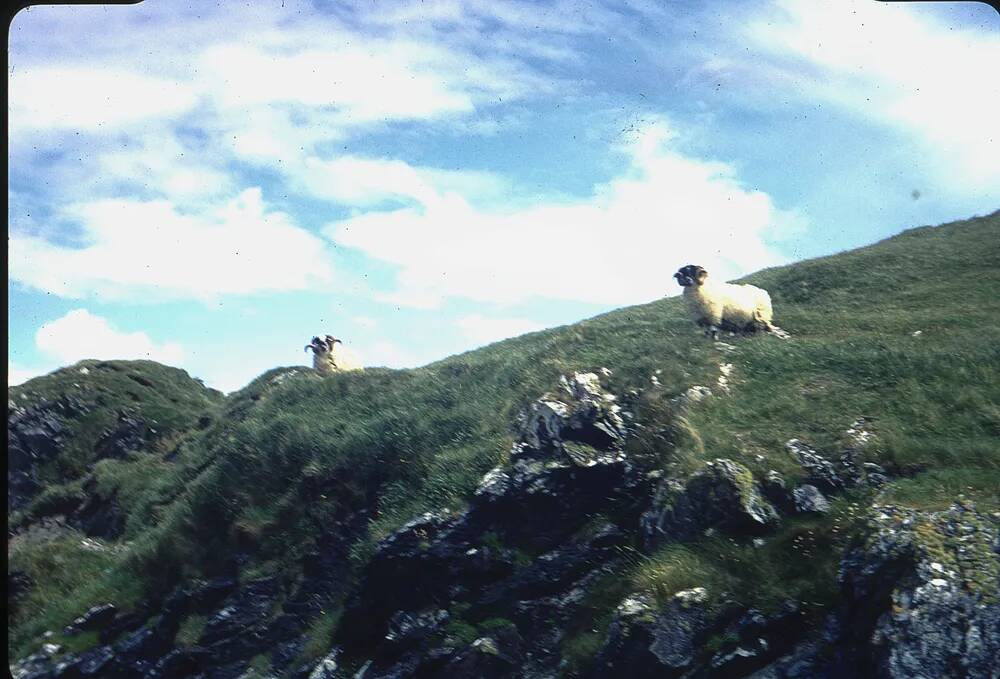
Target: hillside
{"points": [[347, 519]]}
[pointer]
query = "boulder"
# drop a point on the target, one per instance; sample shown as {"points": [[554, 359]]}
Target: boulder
{"points": [[95, 618], [129, 433], [922, 593], [820, 472], [721, 496], [326, 668], [808, 500], [645, 640]]}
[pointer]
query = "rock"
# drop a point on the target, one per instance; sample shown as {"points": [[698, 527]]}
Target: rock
{"points": [[97, 516], [554, 571], [721, 496], [808, 500], [130, 433], [35, 435], [755, 639], [180, 663], [95, 618], [644, 641], [777, 493], [922, 594], [493, 657], [326, 668], [412, 629], [820, 472], [583, 413]]}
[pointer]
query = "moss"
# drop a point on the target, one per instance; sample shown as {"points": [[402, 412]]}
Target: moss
{"points": [[190, 630], [970, 553], [459, 633]]}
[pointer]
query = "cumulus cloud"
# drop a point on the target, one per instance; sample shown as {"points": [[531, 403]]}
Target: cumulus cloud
{"points": [[896, 65], [617, 246], [367, 182], [87, 98], [80, 334], [390, 355], [480, 329], [153, 250]]}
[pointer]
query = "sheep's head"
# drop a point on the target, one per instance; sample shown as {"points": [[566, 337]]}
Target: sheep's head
{"points": [[690, 275], [317, 345]]}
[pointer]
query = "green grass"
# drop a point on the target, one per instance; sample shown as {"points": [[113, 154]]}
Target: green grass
{"points": [[282, 457], [190, 630]]}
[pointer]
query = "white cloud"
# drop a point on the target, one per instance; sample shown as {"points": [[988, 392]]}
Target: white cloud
{"points": [[890, 62], [390, 355], [87, 98], [153, 250], [80, 334], [481, 329], [366, 182], [18, 375], [160, 163], [618, 246]]}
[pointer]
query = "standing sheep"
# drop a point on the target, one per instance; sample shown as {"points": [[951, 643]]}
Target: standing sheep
{"points": [[329, 358], [727, 306]]}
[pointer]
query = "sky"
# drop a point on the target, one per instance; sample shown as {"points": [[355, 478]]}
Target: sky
{"points": [[209, 185]]}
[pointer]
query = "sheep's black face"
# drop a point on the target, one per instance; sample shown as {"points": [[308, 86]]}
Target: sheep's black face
{"points": [[690, 275]]}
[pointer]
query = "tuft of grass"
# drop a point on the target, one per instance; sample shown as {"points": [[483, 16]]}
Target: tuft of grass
{"points": [[675, 568], [190, 630], [320, 636]]}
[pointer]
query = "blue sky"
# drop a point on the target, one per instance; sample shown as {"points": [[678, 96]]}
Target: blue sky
{"points": [[209, 185]]}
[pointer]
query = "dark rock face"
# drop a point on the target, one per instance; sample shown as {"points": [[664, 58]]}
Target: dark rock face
{"points": [[644, 641], [808, 500], [820, 472], [96, 618], [925, 591], [567, 465], [723, 495], [35, 435], [129, 434]]}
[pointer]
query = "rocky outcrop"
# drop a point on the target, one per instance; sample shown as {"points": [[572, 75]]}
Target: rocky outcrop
{"points": [[567, 464], [646, 640], [35, 435], [721, 496], [923, 593]]}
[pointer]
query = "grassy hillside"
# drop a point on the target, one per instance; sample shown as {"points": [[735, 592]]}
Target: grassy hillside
{"points": [[901, 332]]}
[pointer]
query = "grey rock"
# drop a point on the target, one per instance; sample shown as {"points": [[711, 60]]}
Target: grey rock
{"points": [[721, 496], [326, 668], [808, 500], [644, 641], [923, 593], [820, 472], [95, 618]]}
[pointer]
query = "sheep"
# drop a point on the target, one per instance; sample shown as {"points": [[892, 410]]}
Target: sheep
{"points": [[329, 358], [726, 306]]}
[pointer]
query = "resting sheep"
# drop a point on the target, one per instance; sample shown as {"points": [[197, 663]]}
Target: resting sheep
{"points": [[328, 357], [726, 306]]}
